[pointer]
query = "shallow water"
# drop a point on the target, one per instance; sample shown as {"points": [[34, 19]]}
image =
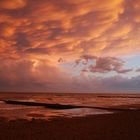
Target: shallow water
{"points": [[96, 100]]}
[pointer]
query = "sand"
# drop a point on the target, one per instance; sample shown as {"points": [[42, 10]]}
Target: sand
{"points": [[119, 126]]}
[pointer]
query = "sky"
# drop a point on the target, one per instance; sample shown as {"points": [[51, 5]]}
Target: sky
{"points": [[70, 46]]}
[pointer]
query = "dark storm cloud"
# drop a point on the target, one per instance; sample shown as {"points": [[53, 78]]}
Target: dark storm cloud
{"points": [[22, 41], [38, 50]]}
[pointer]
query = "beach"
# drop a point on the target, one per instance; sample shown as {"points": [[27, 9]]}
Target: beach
{"points": [[69, 69], [123, 125]]}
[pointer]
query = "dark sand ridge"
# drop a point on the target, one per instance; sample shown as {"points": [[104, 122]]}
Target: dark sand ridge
{"points": [[123, 125], [63, 106]]}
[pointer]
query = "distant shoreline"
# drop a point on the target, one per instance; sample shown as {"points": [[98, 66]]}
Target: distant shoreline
{"points": [[100, 93]]}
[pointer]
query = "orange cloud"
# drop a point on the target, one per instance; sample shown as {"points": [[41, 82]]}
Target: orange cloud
{"points": [[12, 4], [64, 30], [8, 31], [48, 30]]}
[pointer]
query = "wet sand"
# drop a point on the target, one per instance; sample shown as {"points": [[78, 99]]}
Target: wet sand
{"points": [[119, 126]]}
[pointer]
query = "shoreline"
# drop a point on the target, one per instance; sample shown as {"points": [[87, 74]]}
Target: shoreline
{"points": [[116, 126]]}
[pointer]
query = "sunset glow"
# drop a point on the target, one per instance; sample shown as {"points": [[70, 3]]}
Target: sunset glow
{"points": [[70, 45]]}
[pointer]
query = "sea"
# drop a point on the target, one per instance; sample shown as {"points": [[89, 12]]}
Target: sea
{"points": [[88, 100]]}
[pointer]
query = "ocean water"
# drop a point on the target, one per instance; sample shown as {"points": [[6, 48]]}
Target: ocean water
{"points": [[125, 101]]}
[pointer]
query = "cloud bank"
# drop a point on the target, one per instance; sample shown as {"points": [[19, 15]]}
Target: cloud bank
{"points": [[37, 37]]}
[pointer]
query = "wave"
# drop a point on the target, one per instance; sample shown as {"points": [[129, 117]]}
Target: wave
{"points": [[65, 106]]}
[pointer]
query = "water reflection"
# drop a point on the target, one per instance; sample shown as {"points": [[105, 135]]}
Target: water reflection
{"points": [[29, 112]]}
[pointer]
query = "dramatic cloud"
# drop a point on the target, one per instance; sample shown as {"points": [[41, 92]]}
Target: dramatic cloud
{"points": [[83, 25], [107, 64], [43, 39], [138, 70], [103, 64], [12, 4], [24, 75], [39, 76]]}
